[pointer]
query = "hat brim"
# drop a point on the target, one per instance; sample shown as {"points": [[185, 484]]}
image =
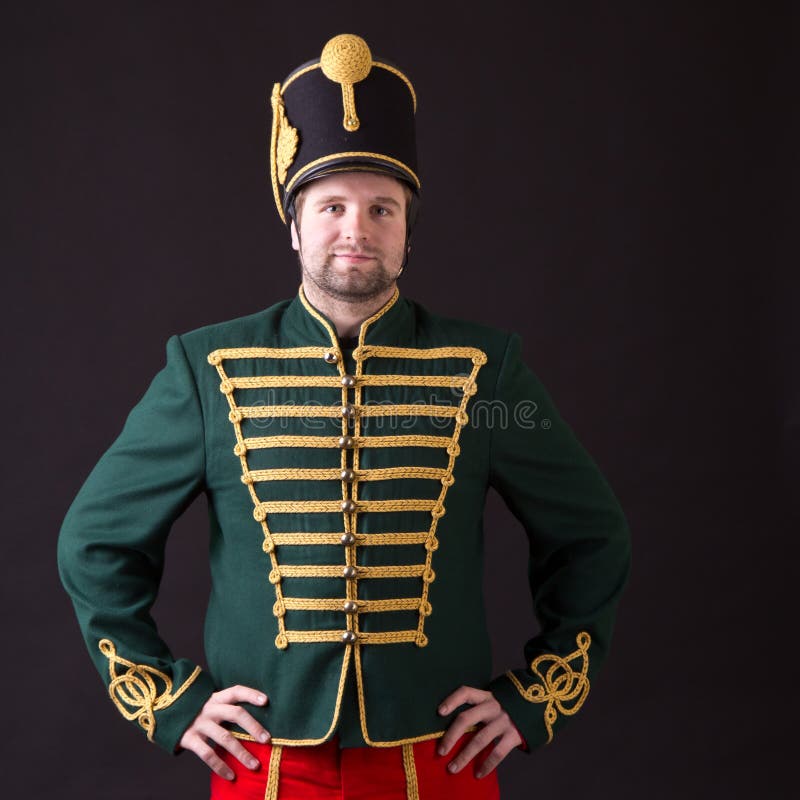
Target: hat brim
{"points": [[348, 164]]}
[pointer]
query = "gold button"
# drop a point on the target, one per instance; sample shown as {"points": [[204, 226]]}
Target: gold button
{"points": [[348, 506], [347, 538], [348, 475], [330, 357], [345, 441], [350, 606], [349, 381], [348, 411], [348, 637], [349, 572]]}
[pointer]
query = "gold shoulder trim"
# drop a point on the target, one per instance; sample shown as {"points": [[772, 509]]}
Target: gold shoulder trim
{"points": [[560, 683], [137, 688]]}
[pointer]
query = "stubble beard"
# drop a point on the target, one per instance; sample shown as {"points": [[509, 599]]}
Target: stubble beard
{"points": [[358, 284]]}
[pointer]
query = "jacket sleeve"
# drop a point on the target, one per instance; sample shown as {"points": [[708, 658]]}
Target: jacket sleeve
{"points": [[579, 547], [111, 553]]}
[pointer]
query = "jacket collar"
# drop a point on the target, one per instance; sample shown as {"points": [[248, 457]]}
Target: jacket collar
{"points": [[390, 324]]}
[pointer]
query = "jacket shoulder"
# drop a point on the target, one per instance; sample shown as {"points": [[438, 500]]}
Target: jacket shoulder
{"points": [[261, 326], [443, 330]]}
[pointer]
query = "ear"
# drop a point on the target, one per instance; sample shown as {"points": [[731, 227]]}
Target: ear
{"points": [[295, 237]]}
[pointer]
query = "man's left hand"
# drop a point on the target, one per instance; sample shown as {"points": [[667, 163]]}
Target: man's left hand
{"points": [[496, 724]]}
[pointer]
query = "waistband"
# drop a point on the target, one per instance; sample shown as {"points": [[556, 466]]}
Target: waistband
{"points": [[328, 772]]}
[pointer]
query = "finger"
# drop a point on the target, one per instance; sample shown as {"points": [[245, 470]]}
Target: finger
{"points": [[456, 730], [466, 719], [244, 720], [207, 754], [464, 694], [503, 748], [240, 694], [477, 742], [224, 738]]}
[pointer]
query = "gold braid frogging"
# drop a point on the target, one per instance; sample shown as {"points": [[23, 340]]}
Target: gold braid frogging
{"points": [[427, 538], [262, 509]]}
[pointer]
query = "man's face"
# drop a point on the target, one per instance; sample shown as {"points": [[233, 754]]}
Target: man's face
{"points": [[352, 231]]}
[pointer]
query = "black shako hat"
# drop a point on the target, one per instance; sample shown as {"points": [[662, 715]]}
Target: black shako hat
{"points": [[342, 111]]}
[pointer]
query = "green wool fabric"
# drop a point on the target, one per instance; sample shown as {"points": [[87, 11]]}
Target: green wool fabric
{"points": [[370, 689]]}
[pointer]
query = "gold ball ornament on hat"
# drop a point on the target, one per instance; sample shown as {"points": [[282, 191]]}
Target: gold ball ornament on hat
{"points": [[346, 59]]}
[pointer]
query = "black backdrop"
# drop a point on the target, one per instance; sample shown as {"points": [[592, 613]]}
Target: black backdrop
{"points": [[611, 180]]}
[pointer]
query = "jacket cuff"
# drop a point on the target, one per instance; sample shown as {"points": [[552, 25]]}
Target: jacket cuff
{"points": [[528, 720], [524, 744], [173, 721], [538, 700], [163, 705]]}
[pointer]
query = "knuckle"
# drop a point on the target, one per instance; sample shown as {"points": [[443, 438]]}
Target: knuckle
{"points": [[500, 752], [489, 763], [242, 753], [481, 739], [219, 766], [466, 716]]}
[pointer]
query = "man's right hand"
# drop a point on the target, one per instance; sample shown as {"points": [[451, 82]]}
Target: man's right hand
{"points": [[206, 729]]}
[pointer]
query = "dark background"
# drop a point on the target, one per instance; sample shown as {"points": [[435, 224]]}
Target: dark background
{"points": [[611, 180]]}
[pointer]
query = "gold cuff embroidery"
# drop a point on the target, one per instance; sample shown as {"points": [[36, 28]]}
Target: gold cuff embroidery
{"points": [[560, 683], [137, 688]]}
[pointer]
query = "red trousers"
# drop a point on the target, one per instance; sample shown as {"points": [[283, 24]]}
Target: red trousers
{"points": [[326, 772]]}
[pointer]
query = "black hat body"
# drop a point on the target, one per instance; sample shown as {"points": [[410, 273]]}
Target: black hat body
{"points": [[343, 110]]}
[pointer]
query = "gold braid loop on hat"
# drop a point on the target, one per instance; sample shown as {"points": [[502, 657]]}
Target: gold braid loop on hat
{"points": [[346, 59]]}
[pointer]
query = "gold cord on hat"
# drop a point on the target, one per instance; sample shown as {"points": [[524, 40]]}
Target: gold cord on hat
{"points": [[283, 145], [346, 60]]}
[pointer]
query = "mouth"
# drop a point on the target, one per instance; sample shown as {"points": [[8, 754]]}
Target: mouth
{"points": [[353, 258]]}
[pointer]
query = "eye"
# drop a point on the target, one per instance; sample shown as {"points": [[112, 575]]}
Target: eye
{"points": [[332, 209], [382, 211]]}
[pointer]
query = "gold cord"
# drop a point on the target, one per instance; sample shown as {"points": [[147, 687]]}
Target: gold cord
{"points": [[412, 787], [274, 772], [136, 688], [560, 683]]}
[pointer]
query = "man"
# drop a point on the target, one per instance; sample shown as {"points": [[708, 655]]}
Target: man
{"points": [[346, 440]]}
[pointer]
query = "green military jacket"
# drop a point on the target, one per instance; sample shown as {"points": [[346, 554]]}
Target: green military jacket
{"points": [[345, 493]]}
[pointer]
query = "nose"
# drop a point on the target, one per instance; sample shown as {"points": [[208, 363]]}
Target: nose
{"points": [[356, 226]]}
